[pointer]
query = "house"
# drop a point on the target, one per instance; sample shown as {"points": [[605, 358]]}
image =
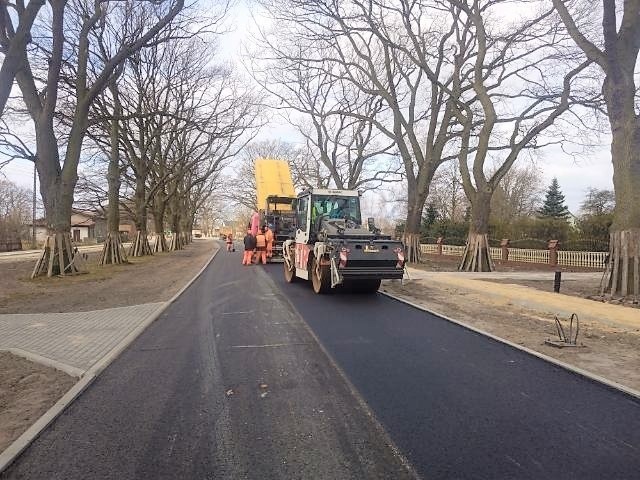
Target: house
{"points": [[83, 227], [86, 227]]}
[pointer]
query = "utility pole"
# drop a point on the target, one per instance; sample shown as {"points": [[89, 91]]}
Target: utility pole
{"points": [[34, 245]]}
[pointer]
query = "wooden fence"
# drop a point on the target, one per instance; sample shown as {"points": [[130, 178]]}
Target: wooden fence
{"points": [[529, 255]]}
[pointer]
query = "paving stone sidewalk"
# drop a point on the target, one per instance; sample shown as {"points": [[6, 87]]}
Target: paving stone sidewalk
{"points": [[76, 339]]}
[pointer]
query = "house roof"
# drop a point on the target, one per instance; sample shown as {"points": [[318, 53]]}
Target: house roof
{"points": [[82, 220]]}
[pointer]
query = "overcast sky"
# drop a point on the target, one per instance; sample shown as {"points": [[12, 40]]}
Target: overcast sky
{"points": [[575, 175]]}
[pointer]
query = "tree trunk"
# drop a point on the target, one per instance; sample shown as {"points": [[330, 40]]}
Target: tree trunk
{"points": [[176, 239], [12, 61], [411, 237], [186, 230], [113, 250], [59, 257], [140, 246], [160, 244], [623, 272], [58, 254], [477, 256], [624, 239]]}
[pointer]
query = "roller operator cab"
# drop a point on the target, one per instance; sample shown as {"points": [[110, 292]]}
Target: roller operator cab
{"points": [[332, 247]]}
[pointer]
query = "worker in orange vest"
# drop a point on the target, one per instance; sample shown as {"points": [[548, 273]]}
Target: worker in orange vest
{"points": [[261, 247], [268, 233]]}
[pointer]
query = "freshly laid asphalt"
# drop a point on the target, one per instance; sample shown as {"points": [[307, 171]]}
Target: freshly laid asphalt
{"points": [[460, 405], [229, 383]]}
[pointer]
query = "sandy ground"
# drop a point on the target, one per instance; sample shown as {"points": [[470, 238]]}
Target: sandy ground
{"points": [[27, 389], [609, 351]]}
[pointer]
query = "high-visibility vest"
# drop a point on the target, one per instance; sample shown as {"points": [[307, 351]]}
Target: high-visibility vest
{"points": [[269, 236], [261, 241]]}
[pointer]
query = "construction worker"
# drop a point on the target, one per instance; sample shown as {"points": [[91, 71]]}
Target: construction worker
{"points": [[261, 246], [229, 241], [268, 233], [340, 209], [249, 247]]}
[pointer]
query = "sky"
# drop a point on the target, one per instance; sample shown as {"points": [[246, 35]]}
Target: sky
{"points": [[575, 176]]}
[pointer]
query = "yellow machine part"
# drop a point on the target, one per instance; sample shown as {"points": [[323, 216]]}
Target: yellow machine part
{"points": [[273, 177]]}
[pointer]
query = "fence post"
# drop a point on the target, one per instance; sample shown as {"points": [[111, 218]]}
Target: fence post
{"points": [[553, 246], [504, 244], [439, 242]]}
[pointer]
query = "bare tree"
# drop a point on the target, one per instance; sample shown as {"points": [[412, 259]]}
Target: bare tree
{"points": [[16, 21], [189, 120], [446, 193], [518, 193], [598, 202], [212, 212], [348, 150], [57, 182], [614, 48], [390, 51], [15, 209], [508, 90]]}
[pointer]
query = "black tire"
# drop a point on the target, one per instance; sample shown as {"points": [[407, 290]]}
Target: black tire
{"points": [[322, 283], [289, 274]]}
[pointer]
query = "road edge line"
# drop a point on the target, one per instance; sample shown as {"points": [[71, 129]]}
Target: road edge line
{"points": [[19, 445], [567, 366]]}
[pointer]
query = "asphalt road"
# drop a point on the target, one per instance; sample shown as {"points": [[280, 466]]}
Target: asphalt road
{"points": [[230, 383], [460, 405], [227, 384]]}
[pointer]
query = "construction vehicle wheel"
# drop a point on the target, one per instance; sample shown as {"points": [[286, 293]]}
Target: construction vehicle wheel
{"points": [[365, 286], [322, 282], [289, 274]]}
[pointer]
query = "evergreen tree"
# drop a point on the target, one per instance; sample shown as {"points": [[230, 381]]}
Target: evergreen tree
{"points": [[554, 206], [430, 216]]}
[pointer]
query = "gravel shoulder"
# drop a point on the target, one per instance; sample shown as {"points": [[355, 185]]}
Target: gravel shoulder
{"points": [[28, 389]]}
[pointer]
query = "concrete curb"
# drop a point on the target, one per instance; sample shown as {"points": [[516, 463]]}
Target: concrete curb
{"points": [[47, 362], [571, 368], [9, 455]]}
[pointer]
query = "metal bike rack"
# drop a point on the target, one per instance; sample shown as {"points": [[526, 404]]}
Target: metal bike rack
{"points": [[564, 340]]}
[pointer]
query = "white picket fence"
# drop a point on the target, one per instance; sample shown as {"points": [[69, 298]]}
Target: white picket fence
{"points": [[528, 255], [582, 259]]}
